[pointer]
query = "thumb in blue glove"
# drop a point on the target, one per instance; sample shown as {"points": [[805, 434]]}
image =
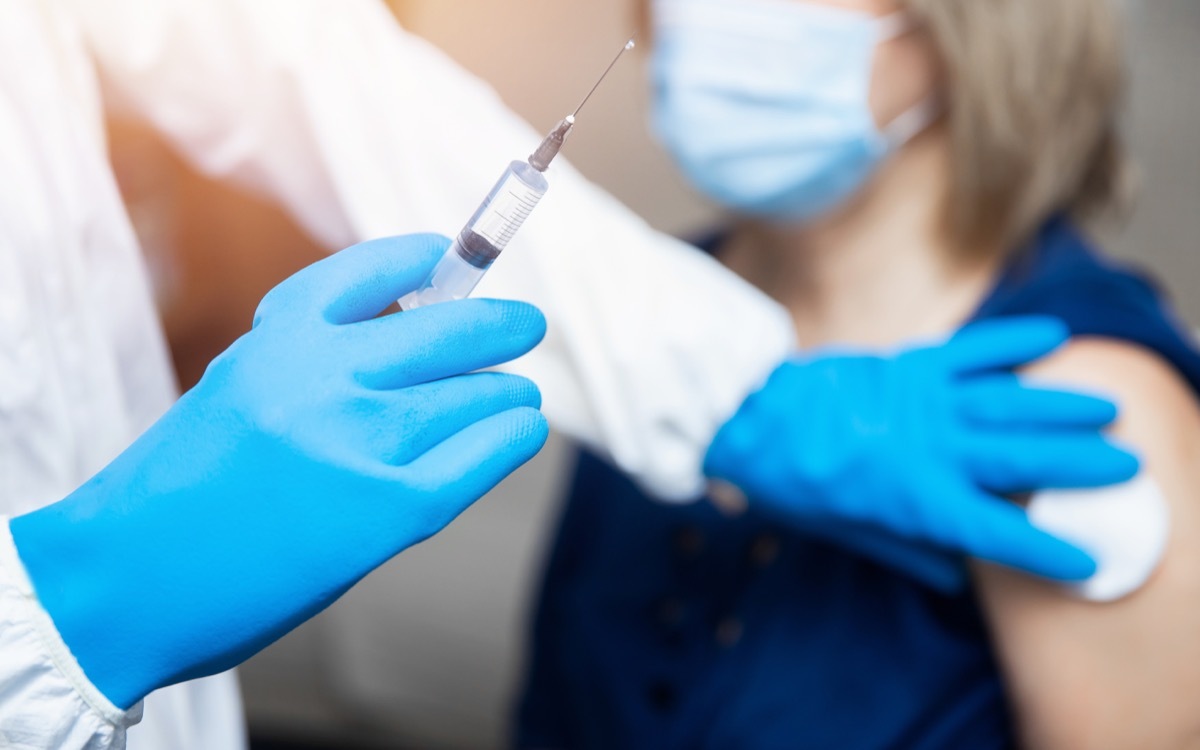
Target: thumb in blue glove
{"points": [[906, 459], [321, 444]]}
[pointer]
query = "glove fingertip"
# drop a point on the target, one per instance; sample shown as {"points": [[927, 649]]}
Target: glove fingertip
{"points": [[1040, 335], [531, 320], [1003, 343], [525, 323], [1104, 411], [1125, 466], [1073, 564], [1020, 327], [1039, 327], [1048, 327], [1126, 457], [360, 282], [523, 431], [1108, 463], [526, 393], [530, 428], [1056, 559]]}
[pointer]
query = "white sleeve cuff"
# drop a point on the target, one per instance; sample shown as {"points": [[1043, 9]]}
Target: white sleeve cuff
{"points": [[45, 698]]}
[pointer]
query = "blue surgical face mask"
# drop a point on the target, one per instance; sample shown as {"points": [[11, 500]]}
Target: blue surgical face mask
{"points": [[764, 103]]}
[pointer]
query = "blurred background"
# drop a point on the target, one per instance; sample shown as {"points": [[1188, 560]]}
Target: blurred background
{"points": [[427, 652]]}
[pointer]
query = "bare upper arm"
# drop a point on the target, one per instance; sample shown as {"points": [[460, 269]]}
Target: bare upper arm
{"points": [[1124, 674]]}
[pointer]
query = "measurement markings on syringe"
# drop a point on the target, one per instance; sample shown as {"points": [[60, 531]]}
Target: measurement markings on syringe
{"points": [[512, 206], [497, 220]]}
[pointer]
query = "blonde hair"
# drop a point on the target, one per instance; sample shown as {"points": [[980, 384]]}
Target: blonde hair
{"points": [[1035, 89], [1034, 93]]}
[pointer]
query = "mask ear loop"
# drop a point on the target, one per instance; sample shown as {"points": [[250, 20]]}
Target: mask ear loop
{"points": [[920, 116], [912, 122]]}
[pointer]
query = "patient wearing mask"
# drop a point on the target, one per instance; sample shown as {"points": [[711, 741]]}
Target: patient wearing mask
{"points": [[893, 170]]}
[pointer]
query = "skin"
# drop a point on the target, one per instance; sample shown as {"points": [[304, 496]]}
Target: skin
{"points": [[1122, 675], [883, 271]]}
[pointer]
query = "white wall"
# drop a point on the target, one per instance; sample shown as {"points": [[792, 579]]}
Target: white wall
{"points": [[1164, 124]]}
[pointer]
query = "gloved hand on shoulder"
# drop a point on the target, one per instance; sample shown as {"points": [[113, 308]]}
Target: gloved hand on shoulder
{"points": [[907, 459]]}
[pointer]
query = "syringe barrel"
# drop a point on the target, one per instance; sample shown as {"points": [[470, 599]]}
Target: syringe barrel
{"points": [[485, 236]]}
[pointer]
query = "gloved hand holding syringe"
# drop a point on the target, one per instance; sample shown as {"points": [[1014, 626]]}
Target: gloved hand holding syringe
{"points": [[498, 218]]}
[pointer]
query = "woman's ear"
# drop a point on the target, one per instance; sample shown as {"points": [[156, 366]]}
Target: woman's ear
{"points": [[906, 72]]}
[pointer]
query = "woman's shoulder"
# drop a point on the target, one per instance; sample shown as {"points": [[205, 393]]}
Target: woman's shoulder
{"points": [[1078, 670], [1127, 345], [1100, 299], [1148, 388]]}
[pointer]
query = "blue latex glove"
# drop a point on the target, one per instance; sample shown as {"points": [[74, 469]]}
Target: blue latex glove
{"points": [[322, 443], [905, 459]]}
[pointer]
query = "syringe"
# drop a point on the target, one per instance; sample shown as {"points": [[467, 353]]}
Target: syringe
{"points": [[498, 218]]}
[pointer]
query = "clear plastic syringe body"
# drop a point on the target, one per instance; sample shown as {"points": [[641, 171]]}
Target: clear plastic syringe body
{"points": [[497, 220], [485, 236]]}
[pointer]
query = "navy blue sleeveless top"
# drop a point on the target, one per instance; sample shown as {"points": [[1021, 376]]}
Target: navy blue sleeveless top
{"points": [[664, 627]]}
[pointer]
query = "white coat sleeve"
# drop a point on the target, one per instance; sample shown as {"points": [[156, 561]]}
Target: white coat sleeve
{"points": [[46, 702], [362, 130]]}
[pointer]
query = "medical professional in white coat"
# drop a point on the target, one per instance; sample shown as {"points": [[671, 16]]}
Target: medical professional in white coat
{"points": [[360, 130]]}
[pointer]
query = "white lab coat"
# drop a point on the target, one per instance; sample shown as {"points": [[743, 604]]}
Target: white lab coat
{"points": [[360, 130]]}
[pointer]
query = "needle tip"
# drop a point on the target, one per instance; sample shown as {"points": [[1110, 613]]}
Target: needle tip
{"points": [[628, 46]]}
